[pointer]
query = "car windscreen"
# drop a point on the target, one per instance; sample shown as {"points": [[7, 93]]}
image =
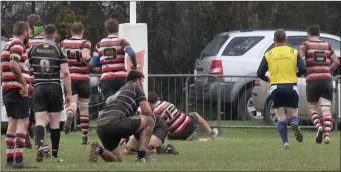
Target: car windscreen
{"points": [[213, 47]]}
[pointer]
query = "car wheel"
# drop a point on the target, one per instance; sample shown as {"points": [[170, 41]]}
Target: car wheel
{"points": [[246, 109], [269, 113]]}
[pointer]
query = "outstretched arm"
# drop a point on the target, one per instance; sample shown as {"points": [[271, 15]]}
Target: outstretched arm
{"points": [[262, 69]]}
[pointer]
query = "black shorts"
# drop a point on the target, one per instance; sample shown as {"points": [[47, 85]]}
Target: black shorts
{"points": [[111, 86], [48, 97], [284, 96], [189, 130], [316, 89], [16, 106], [160, 129], [111, 130], [82, 88]]}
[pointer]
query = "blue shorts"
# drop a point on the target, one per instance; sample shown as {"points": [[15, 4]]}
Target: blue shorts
{"points": [[285, 95]]}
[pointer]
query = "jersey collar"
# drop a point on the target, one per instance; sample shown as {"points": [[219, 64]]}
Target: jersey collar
{"points": [[115, 35]]}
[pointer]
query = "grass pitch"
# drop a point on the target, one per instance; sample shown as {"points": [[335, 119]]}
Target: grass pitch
{"points": [[234, 150]]}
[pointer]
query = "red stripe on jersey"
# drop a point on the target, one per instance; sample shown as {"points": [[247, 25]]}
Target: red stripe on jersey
{"points": [[9, 77], [183, 127], [110, 69], [312, 63], [180, 119], [79, 71], [117, 60], [6, 87], [321, 70], [80, 78], [324, 76], [108, 76]]}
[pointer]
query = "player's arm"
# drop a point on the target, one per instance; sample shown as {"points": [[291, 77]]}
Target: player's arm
{"points": [[262, 69], [95, 61], [66, 72], [16, 52], [300, 66], [336, 61], [86, 50], [302, 51], [130, 52], [143, 103]]}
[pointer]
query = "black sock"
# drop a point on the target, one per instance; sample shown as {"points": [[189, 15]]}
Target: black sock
{"points": [[141, 154], [55, 138], [101, 150], [39, 134]]}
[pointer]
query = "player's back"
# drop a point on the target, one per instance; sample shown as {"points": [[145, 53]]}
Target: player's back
{"points": [[124, 102]]}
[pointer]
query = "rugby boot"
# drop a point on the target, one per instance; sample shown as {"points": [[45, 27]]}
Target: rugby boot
{"points": [[171, 150], [285, 146], [319, 135], [23, 165], [47, 153], [85, 141], [326, 140], [40, 154], [146, 159], [9, 165], [214, 133], [94, 152], [297, 132], [56, 159], [68, 122]]}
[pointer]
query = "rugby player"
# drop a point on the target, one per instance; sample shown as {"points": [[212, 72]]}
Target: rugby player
{"points": [[155, 145], [48, 61], [180, 126], [282, 62], [321, 61], [110, 54], [15, 77], [78, 54], [119, 121], [36, 37]]}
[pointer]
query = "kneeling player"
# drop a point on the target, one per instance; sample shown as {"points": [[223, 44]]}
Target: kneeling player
{"points": [[180, 125], [118, 121], [155, 145]]}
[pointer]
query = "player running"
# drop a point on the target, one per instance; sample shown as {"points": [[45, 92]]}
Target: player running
{"points": [[155, 145], [48, 61], [180, 125], [78, 54], [282, 63], [119, 121], [321, 61], [110, 54], [15, 78]]}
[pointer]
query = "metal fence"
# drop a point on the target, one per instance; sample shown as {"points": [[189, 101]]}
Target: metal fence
{"points": [[224, 101]]}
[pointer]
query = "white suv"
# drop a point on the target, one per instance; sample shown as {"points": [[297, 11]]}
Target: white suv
{"points": [[237, 55]]}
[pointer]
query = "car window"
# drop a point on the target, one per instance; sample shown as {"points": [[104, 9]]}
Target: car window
{"points": [[213, 47], [293, 41], [240, 45], [334, 43]]}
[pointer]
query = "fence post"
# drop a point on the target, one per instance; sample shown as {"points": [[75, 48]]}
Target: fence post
{"points": [[219, 104], [337, 102], [187, 95]]}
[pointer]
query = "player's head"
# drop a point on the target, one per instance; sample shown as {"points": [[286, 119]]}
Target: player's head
{"points": [[111, 26], [313, 31], [136, 76], [153, 98], [280, 36], [77, 29], [20, 30], [50, 32], [33, 21]]}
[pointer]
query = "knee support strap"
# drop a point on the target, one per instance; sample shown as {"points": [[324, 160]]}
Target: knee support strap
{"points": [[83, 104]]}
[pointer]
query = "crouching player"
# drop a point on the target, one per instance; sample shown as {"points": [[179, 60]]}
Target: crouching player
{"points": [[155, 145], [119, 121], [180, 125]]}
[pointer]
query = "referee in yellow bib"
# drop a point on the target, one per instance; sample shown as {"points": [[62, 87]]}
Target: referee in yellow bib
{"points": [[285, 65]]}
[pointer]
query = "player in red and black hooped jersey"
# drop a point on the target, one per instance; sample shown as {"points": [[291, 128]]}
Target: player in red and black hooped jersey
{"points": [[321, 61], [15, 78], [180, 125], [110, 54], [78, 54]]}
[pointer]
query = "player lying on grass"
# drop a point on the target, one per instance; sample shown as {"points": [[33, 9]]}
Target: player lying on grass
{"points": [[155, 145], [180, 126], [119, 121]]}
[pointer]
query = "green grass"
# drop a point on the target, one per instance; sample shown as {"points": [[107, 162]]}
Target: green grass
{"points": [[235, 150]]}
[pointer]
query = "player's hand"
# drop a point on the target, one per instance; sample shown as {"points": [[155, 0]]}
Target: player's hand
{"points": [[68, 100], [133, 67], [24, 91]]}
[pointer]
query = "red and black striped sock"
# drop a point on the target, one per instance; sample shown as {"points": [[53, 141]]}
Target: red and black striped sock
{"points": [[19, 147], [10, 147], [84, 125], [315, 117]]}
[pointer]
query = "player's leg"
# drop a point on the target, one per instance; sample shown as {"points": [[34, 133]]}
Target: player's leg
{"points": [[291, 108], [47, 151], [132, 145], [83, 104], [10, 136], [327, 119], [203, 124], [145, 125], [71, 113], [28, 144]]}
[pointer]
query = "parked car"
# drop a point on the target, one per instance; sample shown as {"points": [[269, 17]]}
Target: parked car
{"points": [[237, 54], [260, 93]]}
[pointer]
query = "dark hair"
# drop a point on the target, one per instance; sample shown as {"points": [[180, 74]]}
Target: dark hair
{"points": [[134, 76], [33, 19], [77, 27], [19, 28], [313, 31], [111, 26], [153, 97], [49, 31], [279, 36]]}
